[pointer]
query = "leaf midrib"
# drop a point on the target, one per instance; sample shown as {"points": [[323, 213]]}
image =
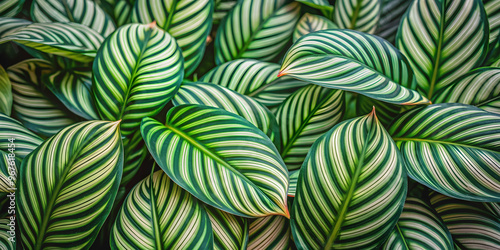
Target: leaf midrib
{"points": [[355, 15], [437, 56], [154, 214], [400, 232], [441, 142], [68, 11]]}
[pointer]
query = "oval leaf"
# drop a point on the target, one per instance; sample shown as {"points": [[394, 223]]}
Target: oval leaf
{"points": [[221, 159], [360, 15]]}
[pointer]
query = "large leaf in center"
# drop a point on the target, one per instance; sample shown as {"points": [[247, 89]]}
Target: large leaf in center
{"points": [[353, 61], [220, 158], [137, 70], [351, 188]]}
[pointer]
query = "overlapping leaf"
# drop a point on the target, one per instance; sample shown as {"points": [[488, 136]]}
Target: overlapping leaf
{"points": [[10, 8], [304, 117], [271, 232], [230, 231], [452, 148], [134, 152], [351, 188], [390, 17], [71, 40], [309, 23], [67, 186], [222, 7], [158, 214], [8, 169], [360, 15], [25, 141], [292, 187], [137, 70], [219, 97], [84, 12], [123, 11], [10, 25], [353, 61], [318, 4], [5, 92], [7, 240], [256, 29], [492, 8], [443, 39], [212, 153]]}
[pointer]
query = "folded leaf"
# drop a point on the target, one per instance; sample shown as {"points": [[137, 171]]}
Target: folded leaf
{"points": [[360, 15]]}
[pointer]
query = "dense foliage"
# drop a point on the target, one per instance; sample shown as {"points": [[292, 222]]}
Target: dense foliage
{"points": [[250, 124]]}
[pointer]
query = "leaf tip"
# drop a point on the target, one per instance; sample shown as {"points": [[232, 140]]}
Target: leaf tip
{"points": [[281, 73], [152, 24]]}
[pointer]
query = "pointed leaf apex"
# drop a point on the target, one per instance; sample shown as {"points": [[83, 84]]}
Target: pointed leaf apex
{"points": [[373, 113], [152, 24], [287, 213], [281, 73]]}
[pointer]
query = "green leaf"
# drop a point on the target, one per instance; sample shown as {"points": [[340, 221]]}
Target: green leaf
{"points": [[10, 8], [134, 151], [137, 70], [84, 12], [386, 112], [34, 105], [65, 205], [419, 227], [304, 117], [158, 214], [5, 92], [221, 159], [219, 97], [360, 15], [353, 61], [256, 29], [470, 225], [222, 7], [24, 140], [8, 170], [351, 188], [443, 39], [123, 11], [292, 186], [230, 231], [271, 232], [390, 17], [318, 4], [189, 22], [71, 40], [10, 25], [452, 148], [310, 23], [480, 87], [493, 207], [492, 8], [7, 240]]}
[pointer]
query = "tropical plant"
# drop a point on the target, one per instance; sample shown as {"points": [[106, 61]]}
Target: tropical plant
{"points": [[250, 124]]}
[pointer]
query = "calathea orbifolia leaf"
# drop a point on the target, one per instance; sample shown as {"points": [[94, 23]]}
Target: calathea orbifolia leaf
{"points": [[442, 48], [134, 152], [305, 116], [256, 29], [188, 21], [82, 167], [452, 148], [10, 8], [220, 158], [25, 141], [360, 15], [122, 11], [158, 214], [419, 227], [270, 232], [34, 105], [84, 12], [220, 97], [480, 87], [351, 188], [71, 40], [292, 186], [255, 79], [310, 23], [390, 17], [137, 70], [5, 92], [470, 224], [353, 61], [230, 231]]}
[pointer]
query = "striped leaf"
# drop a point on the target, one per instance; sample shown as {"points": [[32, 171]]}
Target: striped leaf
{"points": [[318, 4], [123, 11], [386, 112], [390, 17], [304, 117], [470, 225], [34, 105], [480, 87], [492, 8], [256, 29], [310, 23], [222, 7], [188, 21], [82, 167], [419, 227], [212, 153], [158, 214], [255, 79], [84, 12], [137, 70], [11, 25], [442, 39], [5, 92], [496, 64], [493, 208], [8, 169], [10, 8], [219, 97], [452, 148], [71, 40], [7, 240], [134, 152], [230, 231], [271, 232], [25, 141], [353, 61], [351, 188], [360, 15], [292, 186]]}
